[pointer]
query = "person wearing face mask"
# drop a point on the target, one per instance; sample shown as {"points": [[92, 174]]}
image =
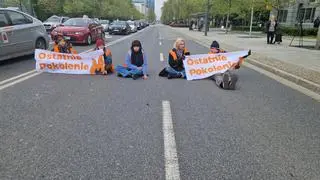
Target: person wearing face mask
{"points": [[176, 58], [136, 64], [107, 56]]}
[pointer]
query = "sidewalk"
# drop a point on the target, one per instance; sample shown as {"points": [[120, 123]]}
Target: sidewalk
{"points": [[299, 65]]}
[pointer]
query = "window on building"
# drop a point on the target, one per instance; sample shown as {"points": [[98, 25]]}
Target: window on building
{"points": [[307, 14], [283, 15]]}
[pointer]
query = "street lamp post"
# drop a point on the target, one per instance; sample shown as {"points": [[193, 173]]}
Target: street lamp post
{"points": [[206, 19], [251, 19], [228, 16]]}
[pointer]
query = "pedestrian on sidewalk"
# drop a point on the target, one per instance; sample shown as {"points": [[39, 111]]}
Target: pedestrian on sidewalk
{"points": [[316, 22], [136, 64], [228, 79], [278, 33], [176, 58], [271, 27]]}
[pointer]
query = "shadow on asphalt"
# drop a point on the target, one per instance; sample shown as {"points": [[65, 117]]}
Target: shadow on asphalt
{"points": [[16, 60]]}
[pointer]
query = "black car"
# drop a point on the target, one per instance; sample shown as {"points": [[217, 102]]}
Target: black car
{"points": [[119, 27]]}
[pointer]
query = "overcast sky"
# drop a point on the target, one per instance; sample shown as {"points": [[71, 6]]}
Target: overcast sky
{"points": [[159, 4]]}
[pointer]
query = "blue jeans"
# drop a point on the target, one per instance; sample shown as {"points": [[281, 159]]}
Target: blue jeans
{"points": [[126, 72], [172, 71]]}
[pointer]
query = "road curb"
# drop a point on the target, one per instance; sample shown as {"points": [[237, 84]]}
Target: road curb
{"points": [[303, 77]]}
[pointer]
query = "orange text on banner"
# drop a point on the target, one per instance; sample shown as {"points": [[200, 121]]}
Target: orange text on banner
{"points": [[64, 66], [53, 56], [201, 71]]}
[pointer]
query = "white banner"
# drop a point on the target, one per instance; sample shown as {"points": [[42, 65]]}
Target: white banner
{"points": [[87, 63], [205, 65]]}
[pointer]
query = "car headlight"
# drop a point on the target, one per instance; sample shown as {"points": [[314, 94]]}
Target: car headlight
{"points": [[123, 27], [78, 33]]}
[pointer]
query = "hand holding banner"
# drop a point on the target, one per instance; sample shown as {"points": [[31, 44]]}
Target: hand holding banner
{"points": [[87, 63], [205, 65]]}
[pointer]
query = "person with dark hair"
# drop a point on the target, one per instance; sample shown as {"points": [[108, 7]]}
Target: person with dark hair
{"points": [[136, 64], [61, 45], [107, 56], [228, 79], [316, 22], [278, 34]]}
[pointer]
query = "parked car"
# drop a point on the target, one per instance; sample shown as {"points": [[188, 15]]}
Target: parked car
{"points": [[53, 22], [133, 26], [20, 34], [79, 30], [139, 27], [120, 27], [105, 24]]}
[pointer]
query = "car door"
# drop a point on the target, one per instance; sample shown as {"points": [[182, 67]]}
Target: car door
{"points": [[6, 40], [23, 31]]}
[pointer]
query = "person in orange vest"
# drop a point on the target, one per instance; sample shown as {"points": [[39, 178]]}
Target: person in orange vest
{"points": [[107, 56], [228, 79], [176, 58], [63, 46]]}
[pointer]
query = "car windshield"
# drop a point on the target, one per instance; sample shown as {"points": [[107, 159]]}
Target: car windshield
{"points": [[54, 19], [131, 23], [119, 23], [104, 22], [77, 22]]}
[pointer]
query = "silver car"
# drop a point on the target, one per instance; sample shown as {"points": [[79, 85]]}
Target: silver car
{"points": [[133, 26], [20, 34]]}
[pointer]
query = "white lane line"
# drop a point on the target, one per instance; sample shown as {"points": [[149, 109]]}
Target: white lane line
{"points": [[170, 150], [18, 81], [160, 43], [161, 57], [16, 77]]}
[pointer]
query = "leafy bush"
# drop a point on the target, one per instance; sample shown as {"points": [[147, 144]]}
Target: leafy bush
{"points": [[293, 31], [247, 28]]}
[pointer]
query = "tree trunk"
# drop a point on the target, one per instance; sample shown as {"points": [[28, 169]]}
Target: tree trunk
{"points": [[318, 39]]}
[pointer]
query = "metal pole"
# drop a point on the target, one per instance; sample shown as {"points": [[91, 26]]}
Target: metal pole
{"points": [[228, 16], [206, 20], [251, 19]]}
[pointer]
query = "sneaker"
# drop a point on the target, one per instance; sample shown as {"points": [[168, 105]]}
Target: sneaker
{"points": [[225, 80], [135, 76], [172, 76], [233, 82]]}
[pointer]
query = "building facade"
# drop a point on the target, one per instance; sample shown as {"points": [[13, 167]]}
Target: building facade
{"points": [[305, 11]]}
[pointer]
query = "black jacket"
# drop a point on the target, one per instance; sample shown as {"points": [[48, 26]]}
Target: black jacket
{"points": [[177, 62]]}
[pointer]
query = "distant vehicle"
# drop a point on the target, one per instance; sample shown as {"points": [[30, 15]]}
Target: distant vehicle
{"points": [[120, 27], [139, 27], [79, 30], [133, 26], [105, 24], [53, 22], [20, 34]]}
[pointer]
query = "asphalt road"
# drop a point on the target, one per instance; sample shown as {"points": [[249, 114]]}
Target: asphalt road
{"points": [[56, 126]]}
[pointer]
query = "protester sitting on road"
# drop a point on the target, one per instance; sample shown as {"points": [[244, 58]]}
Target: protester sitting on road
{"points": [[176, 57], [107, 56], [63, 46], [136, 63], [228, 79]]}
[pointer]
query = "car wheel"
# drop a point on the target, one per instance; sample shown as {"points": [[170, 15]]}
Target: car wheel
{"points": [[89, 40], [40, 44]]}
